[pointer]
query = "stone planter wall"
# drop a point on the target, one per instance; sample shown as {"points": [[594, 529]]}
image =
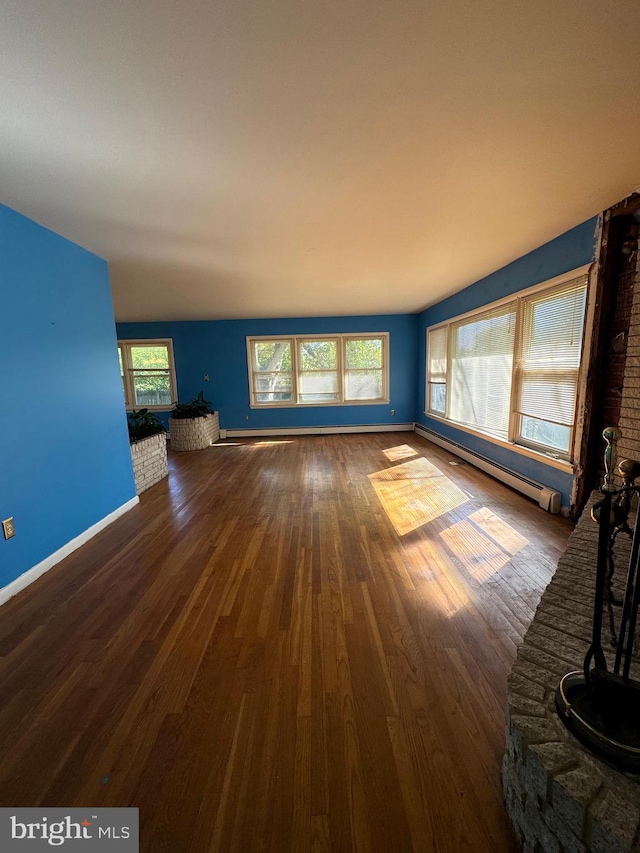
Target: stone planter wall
{"points": [[560, 797], [194, 434], [149, 460]]}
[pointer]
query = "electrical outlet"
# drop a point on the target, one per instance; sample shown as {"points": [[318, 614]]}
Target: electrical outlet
{"points": [[393, 411], [206, 377], [8, 529]]}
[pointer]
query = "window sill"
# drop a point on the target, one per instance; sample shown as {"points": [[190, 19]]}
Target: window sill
{"points": [[559, 464], [333, 403], [150, 408]]}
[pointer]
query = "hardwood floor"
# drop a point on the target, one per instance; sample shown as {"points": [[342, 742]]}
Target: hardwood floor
{"points": [[290, 645]]}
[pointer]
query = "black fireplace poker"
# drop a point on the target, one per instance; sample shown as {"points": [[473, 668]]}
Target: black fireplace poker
{"points": [[601, 706]]}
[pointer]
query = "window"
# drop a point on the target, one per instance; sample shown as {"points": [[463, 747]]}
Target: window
{"points": [[511, 371], [547, 370], [318, 376], [364, 372], [272, 371], [437, 372], [318, 369], [148, 374]]}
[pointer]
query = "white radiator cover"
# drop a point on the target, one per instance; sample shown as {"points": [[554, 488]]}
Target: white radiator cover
{"points": [[548, 499]]}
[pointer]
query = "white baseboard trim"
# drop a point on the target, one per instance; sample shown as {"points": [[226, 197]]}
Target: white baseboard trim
{"points": [[31, 575], [328, 430]]}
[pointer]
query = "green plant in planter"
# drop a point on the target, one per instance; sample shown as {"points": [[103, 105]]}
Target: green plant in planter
{"points": [[196, 408], [142, 424]]}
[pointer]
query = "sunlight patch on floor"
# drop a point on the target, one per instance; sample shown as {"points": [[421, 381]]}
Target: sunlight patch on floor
{"points": [[479, 555], [439, 579], [414, 493], [402, 451], [269, 443], [499, 530]]}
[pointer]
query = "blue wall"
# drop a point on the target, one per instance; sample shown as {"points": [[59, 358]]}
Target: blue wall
{"points": [[567, 252], [218, 348], [65, 453]]}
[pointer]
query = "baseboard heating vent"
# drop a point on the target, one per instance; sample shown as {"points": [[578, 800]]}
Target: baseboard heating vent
{"points": [[547, 498]]}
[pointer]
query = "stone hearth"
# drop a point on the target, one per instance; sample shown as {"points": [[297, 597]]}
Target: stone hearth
{"points": [[561, 798]]}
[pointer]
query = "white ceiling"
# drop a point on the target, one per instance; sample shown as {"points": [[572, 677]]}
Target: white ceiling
{"points": [[256, 158]]}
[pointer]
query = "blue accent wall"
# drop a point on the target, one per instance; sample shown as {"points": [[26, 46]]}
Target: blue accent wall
{"points": [[218, 348], [65, 459], [569, 251]]}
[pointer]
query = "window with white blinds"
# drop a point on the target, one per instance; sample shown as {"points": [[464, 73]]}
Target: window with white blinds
{"points": [[481, 368], [511, 371], [437, 372], [548, 365]]}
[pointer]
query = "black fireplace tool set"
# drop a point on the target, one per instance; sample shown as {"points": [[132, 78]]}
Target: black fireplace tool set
{"points": [[601, 706]]}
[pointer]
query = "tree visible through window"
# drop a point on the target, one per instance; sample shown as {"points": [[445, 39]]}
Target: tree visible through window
{"points": [[147, 372], [324, 369]]}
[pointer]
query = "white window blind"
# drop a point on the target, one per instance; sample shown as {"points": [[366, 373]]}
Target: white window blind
{"points": [[481, 370], [548, 364], [437, 348]]}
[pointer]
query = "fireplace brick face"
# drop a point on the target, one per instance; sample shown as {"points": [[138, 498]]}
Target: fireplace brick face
{"points": [[627, 323], [558, 796]]}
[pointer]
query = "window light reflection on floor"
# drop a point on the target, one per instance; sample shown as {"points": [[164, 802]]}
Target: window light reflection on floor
{"points": [[499, 530], [270, 443], [480, 556], [225, 443], [402, 451], [440, 574], [414, 493]]}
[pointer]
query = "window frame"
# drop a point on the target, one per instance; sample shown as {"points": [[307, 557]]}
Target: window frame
{"points": [[124, 345], [342, 339], [297, 374], [514, 440]]}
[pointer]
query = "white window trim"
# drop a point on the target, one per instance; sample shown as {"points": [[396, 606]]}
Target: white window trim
{"points": [[546, 456], [342, 338], [123, 344]]}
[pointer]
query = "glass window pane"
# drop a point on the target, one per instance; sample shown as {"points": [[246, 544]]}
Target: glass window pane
{"points": [[481, 366], [149, 357], [549, 395], [542, 432], [152, 389], [273, 387], [364, 353], [437, 353], [551, 346], [438, 401], [364, 385], [124, 390], [552, 332], [318, 355], [272, 355]]}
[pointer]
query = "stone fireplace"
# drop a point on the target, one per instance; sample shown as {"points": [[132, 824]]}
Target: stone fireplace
{"points": [[559, 796]]}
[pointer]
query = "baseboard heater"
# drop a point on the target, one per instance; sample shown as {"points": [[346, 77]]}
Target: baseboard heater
{"points": [[319, 430], [547, 498]]}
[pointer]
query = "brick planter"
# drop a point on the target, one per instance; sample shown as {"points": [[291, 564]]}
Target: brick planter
{"points": [[149, 460], [559, 796], [194, 433]]}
